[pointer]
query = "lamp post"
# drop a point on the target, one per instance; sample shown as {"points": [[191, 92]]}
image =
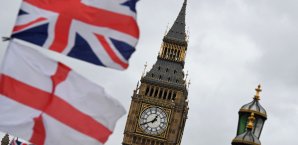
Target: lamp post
{"points": [[259, 114]]}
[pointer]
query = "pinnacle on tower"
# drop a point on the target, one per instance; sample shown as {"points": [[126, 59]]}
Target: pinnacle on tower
{"points": [[177, 32], [5, 140]]}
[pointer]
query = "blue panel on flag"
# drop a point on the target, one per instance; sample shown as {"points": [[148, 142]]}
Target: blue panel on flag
{"points": [[37, 35], [125, 49], [131, 4], [21, 12], [83, 51]]}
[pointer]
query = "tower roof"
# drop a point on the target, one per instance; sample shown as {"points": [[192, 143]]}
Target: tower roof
{"points": [[169, 72], [177, 32], [255, 106]]}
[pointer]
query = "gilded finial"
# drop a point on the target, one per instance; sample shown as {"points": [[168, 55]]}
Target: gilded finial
{"points": [[187, 34], [145, 67], [186, 75], [251, 120], [258, 90], [188, 83], [137, 85], [167, 30]]}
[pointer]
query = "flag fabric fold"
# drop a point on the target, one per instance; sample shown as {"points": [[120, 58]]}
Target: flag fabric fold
{"points": [[102, 32], [46, 102]]}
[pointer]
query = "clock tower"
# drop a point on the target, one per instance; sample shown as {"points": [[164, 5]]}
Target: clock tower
{"points": [[159, 105]]}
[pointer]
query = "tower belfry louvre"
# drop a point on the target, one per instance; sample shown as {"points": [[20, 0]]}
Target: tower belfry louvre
{"points": [[159, 105]]}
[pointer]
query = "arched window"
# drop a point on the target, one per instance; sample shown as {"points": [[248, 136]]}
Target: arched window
{"points": [[174, 96], [156, 91], [170, 95], [160, 93], [147, 91], [166, 54], [134, 139], [151, 91], [152, 142], [165, 94]]}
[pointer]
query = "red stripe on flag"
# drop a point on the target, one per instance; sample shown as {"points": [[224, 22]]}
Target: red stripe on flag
{"points": [[66, 111], [23, 93], [58, 108], [77, 120], [110, 51], [60, 75], [123, 23], [39, 132], [21, 27], [62, 29], [90, 15]]}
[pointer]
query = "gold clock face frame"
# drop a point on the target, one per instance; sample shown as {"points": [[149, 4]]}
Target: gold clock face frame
{"points": [[153, 120]]}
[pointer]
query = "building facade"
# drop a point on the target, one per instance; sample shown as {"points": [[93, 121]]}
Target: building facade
{"points": [[159, 105]]}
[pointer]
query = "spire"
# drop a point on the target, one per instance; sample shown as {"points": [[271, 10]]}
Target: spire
{"points": [[168, 69], [177, 32]]}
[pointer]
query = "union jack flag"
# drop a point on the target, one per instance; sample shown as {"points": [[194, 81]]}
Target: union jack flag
{"points": [[102, 32], [17, 142]]}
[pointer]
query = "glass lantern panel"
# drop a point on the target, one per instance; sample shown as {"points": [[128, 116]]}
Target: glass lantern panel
{"points": [[242, 123], [258, 127]]}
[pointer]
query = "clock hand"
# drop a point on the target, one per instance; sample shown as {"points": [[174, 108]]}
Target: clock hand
{"points": [[145, 123], [155, 119], [152, 121]]}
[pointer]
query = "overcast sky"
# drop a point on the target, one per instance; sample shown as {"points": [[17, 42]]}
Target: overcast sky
{"points": [[234, 45]]}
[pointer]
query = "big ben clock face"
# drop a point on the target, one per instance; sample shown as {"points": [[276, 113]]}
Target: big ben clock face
{"points": [[153, 121]]}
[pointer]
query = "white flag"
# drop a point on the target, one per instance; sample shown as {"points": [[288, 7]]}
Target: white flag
{"points": [[47, 103]]}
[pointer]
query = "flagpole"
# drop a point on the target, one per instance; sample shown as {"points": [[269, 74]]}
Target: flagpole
{"points": [[6, 39], [12, 141]]}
